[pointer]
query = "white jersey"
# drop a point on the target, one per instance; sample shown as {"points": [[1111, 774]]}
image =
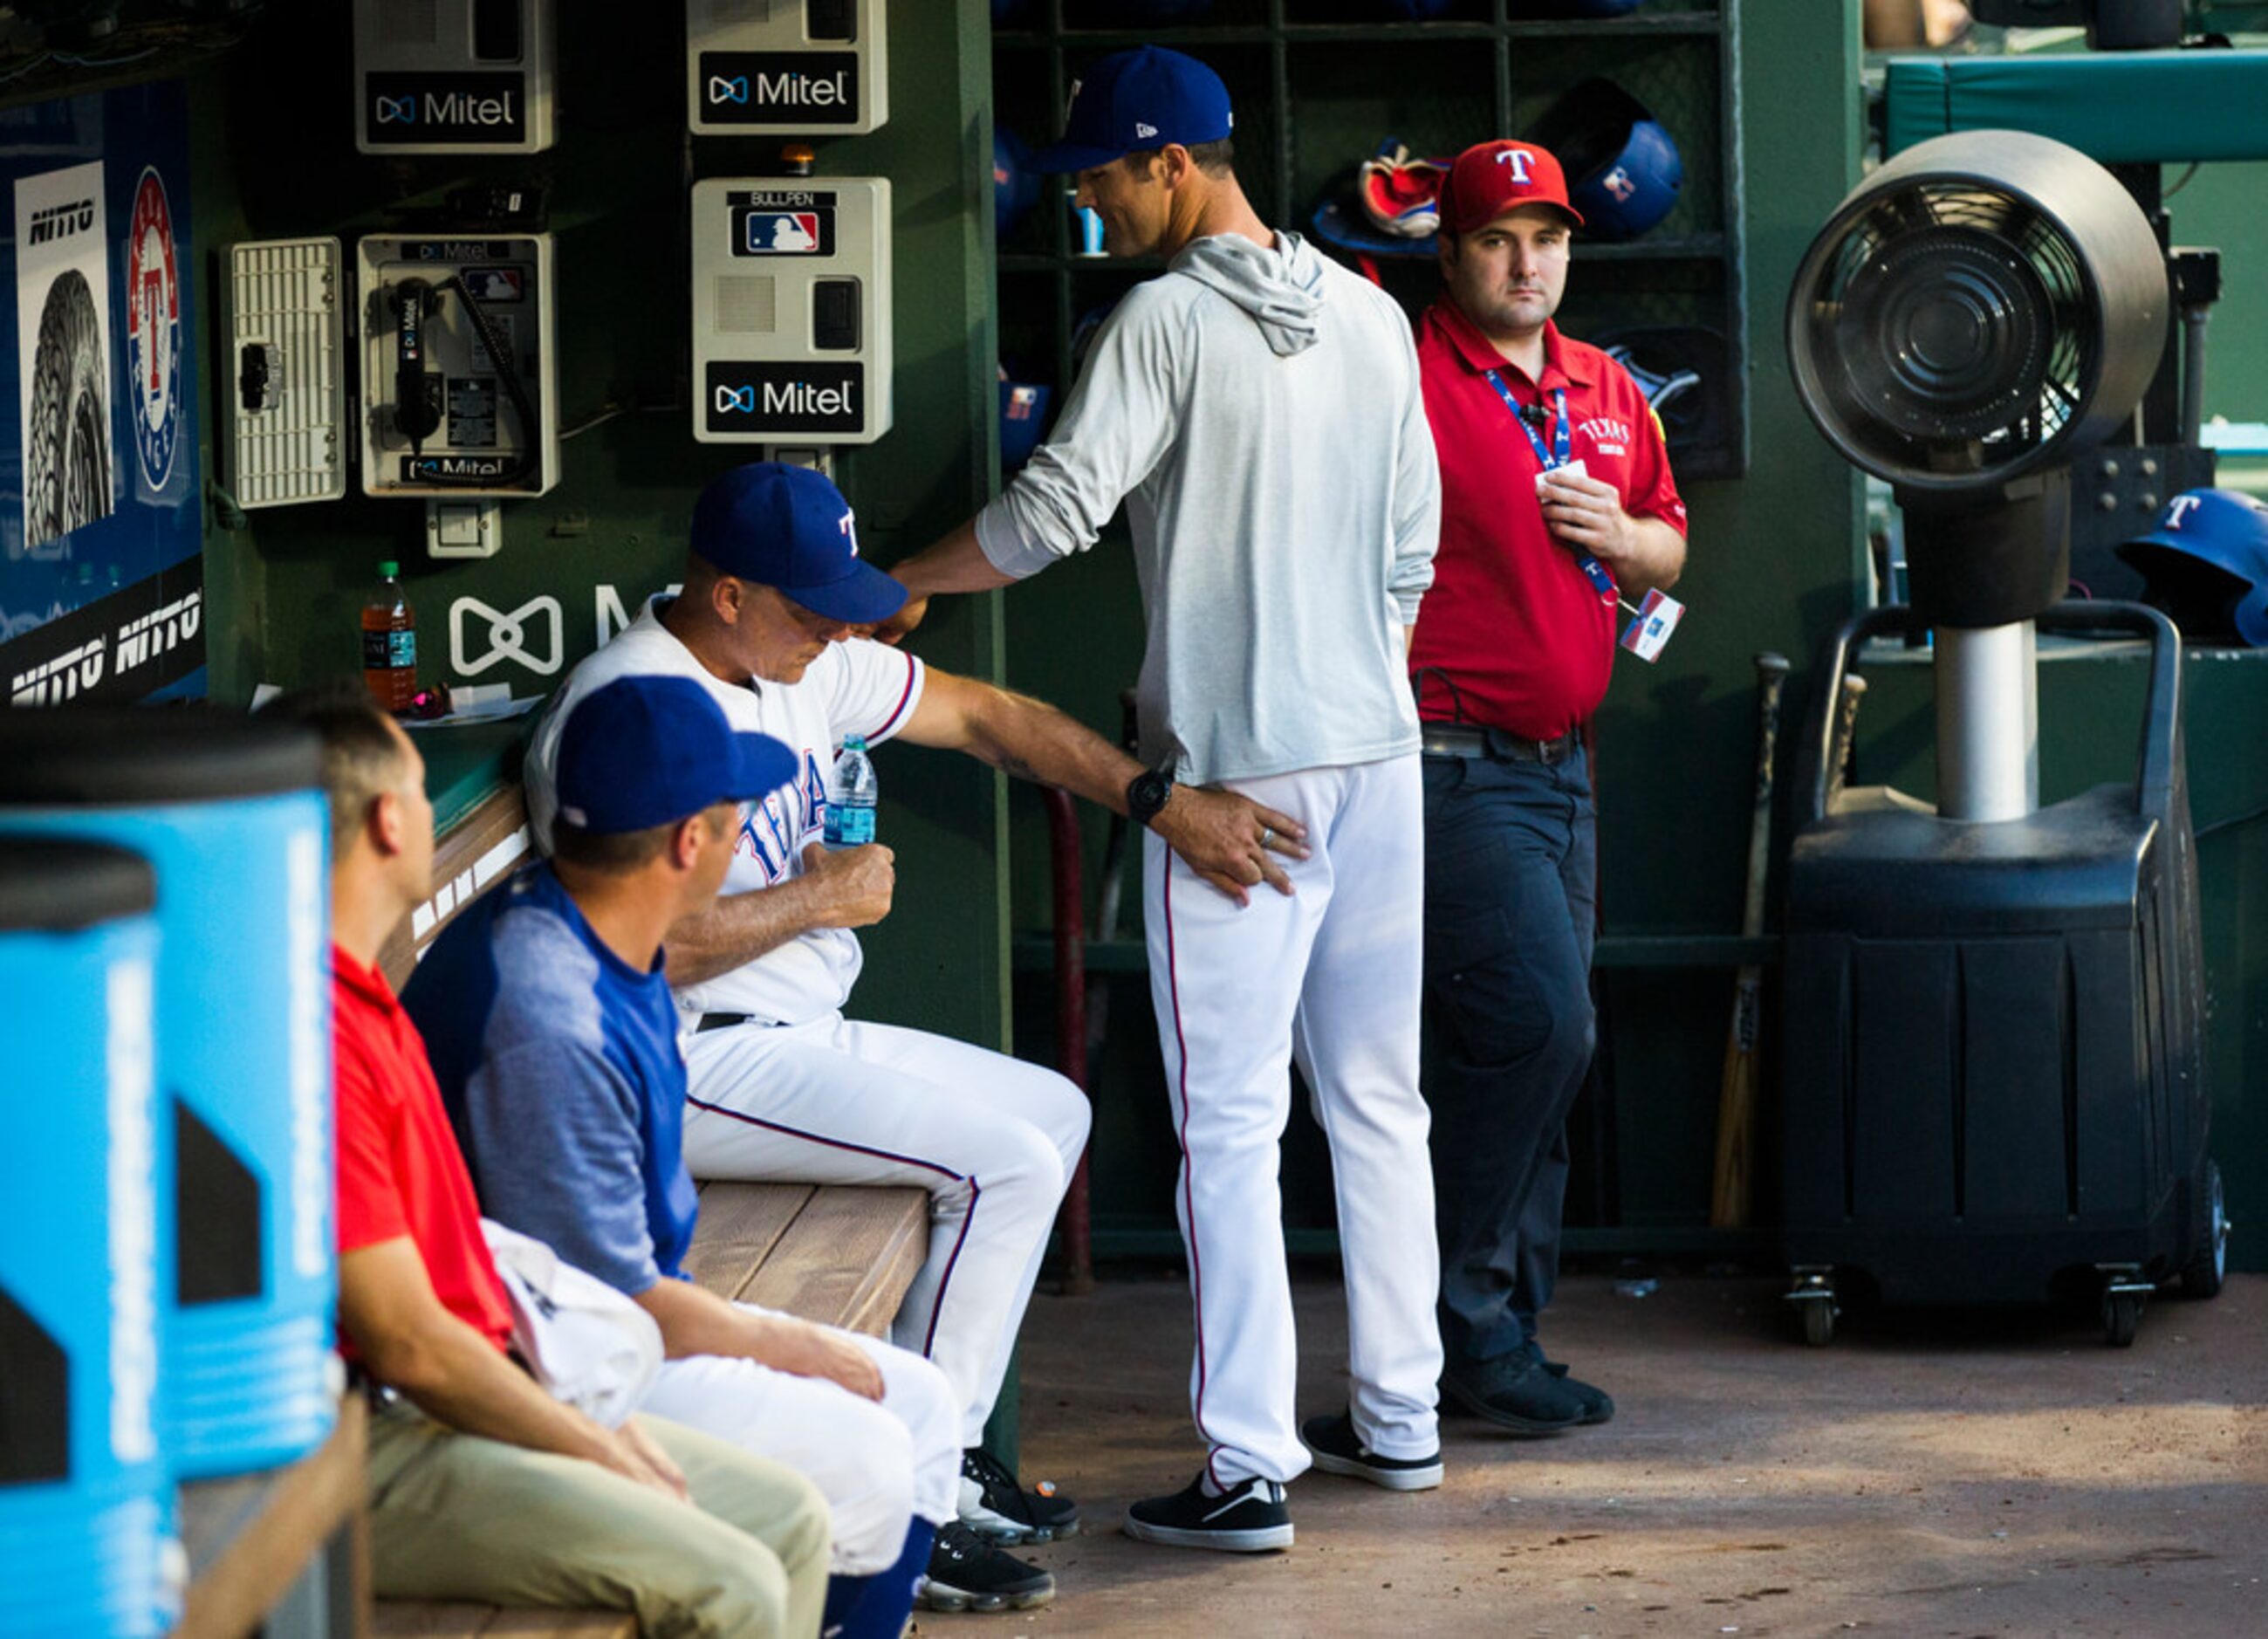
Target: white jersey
{"points": [[859, 687]]}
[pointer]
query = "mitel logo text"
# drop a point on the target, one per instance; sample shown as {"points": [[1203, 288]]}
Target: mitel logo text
{"points": [[427, 108], [62, 221], [759, 87], [424, 469], [747, 399], [785, 90]]}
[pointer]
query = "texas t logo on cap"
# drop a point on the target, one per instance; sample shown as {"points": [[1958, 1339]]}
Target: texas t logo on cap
{"points": [[1491, 179], [789, 528]]}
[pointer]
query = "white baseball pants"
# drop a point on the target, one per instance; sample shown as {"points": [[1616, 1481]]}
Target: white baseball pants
{"points": [[993, 1140], [876, 1464], [1330, 976]]}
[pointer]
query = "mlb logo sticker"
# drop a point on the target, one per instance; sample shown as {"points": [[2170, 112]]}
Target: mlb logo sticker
{"points": [[783, 233]]}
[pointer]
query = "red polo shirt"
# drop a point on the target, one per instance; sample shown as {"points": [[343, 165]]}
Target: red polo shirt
{"points": [[1511, 621], [400, 1170]]}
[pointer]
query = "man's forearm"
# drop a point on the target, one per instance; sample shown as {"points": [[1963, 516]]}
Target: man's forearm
{"points": [[1655, 559], [695, 1321], [741, 927], [458, 1378], [955, 564], [1034, 740]]}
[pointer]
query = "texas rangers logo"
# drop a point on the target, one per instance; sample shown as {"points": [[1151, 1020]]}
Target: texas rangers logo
{"points": [[1617, 182], [1517, 161], [153, 330]]}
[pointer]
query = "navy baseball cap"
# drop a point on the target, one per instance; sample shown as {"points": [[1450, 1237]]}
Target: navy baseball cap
{"points": [[789, 528], [1134, 100], [647, 751]]}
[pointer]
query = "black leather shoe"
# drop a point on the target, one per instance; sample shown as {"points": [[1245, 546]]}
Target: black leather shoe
{"points": [[1598, 1405], [1514, 1391]]}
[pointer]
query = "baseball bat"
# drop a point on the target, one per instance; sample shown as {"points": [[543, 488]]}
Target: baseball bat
{"points": [[1846, 732], [1736, 1100]]}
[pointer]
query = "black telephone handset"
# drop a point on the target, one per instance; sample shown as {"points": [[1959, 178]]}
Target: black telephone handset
{"points": [[415, 411]]}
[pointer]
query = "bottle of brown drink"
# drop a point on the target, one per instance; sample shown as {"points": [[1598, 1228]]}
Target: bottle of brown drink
{"points": [[389, 642]]}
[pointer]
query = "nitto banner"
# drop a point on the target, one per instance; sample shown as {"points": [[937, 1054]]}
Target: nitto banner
{"points": [[101, 588], [62, 329]]}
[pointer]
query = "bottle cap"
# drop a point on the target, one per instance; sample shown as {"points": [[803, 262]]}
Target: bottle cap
{"points": [[389, 569], [854, 742]]}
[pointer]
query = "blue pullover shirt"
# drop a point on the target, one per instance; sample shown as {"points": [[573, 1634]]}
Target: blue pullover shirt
{"points": [[560, 1066]]}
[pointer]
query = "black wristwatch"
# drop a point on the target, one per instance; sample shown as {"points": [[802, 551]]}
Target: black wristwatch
{"points": [[1147, 793]]}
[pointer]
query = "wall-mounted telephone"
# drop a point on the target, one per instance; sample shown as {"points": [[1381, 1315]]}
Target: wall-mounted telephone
{"points": [[791, 309], [457, 366], [452, 76], [455, 395], [792, 68]]}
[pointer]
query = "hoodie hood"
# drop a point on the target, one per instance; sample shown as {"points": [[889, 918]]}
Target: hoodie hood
{"points": [[1281, 286]]}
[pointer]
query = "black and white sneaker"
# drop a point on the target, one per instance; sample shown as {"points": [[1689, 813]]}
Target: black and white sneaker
{"points": [[1250, 1518], [998, 1508], [968, 1573], [1337, 1450]]}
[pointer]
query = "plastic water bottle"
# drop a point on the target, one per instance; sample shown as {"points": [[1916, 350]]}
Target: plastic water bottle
{"points": [[851, 796], [389, 642]]}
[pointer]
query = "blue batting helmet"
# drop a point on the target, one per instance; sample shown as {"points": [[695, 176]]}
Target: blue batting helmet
{"points": [[2206, 564], [1623, 170]]}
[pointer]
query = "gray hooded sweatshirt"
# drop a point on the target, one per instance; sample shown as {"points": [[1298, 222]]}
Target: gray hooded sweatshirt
{"points": [[1258, 410]]}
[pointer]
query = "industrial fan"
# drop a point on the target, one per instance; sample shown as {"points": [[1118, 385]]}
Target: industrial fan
{"points": [[1992, 1037]]}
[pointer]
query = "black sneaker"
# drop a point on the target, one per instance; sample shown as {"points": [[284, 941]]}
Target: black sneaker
{"points": [[968, 1573], [1337, 1450], [1514, 1391], [1250, 1518], [1598, 1406], [998, 1508]]}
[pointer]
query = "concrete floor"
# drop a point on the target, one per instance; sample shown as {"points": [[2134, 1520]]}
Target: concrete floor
{"points": [[1936, 1474]]}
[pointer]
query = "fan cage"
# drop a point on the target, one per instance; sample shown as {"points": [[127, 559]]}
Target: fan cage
{"points": [[1889, 426]]}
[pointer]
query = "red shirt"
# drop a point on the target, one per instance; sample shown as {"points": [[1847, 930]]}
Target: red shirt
{"points": [[1511, 620], [400, 1170]]}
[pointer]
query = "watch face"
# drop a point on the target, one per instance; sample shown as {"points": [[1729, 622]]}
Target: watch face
{"points": [[1147, 794]]}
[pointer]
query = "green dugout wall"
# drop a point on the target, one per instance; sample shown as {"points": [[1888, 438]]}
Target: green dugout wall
{"points": [[1773, 564]]}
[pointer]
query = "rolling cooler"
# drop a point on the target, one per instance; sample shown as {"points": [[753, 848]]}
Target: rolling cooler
{"points": [[1993, 1033]]}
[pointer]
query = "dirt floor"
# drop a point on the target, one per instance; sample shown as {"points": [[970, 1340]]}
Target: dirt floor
{"points": [[1926, 1474]]}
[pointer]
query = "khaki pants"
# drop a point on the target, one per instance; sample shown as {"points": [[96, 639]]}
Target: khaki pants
{"points": [[456, 1516]]}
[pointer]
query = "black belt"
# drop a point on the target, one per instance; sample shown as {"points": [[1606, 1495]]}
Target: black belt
{"points": [[1465, 740], [721, 1021]]}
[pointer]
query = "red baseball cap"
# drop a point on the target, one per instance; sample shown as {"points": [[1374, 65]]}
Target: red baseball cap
{"points": [[1490, 180]]}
